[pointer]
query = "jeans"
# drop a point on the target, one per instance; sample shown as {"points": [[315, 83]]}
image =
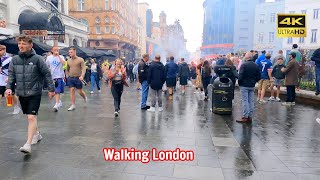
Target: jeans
{"points": [[318, 79], [116, 90], [131, 76], [247, 94], [94, 80], [145, 91], [291, 93], [156, 94]]}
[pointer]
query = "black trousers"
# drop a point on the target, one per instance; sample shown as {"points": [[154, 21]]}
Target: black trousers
{"points": [[291, 93], [131, 77], [116, 90], [205, 83]]}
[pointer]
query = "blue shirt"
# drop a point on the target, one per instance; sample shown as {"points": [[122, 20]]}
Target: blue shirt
{"points": [[262, 57], [264, 65]]}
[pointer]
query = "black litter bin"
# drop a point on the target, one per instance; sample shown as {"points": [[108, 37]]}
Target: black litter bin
{"points": [[222, 92]]}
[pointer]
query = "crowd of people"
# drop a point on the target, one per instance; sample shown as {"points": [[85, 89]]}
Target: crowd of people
{"points": [[24, 76]]}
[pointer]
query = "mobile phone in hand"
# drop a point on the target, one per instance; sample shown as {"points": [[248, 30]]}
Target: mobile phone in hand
{"points": [[84, 82]]}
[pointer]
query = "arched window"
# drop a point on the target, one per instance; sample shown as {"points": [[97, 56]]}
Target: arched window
{"points": [[84, 21], [75, 42]]}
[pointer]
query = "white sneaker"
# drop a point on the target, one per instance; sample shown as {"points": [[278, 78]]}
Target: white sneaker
{"points": [[293, 103], [116, 114], [262, 101], [26, 148], [278, 99], [36, 138], [16, 110], [152, 109], [286, 104], [271, 99], [160, 109], [99, 91], [91, 92], [258, 99], [318, 120], [56, 107], [60, 104], [72, 108]]}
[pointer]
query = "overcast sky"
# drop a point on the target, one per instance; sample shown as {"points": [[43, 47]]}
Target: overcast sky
{"points": [[190, 14]]}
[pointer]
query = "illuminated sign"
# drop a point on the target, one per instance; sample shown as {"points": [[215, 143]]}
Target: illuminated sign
{"points": [[291, 25]]}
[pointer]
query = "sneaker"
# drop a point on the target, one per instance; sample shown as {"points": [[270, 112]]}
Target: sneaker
{"points": [[16, 110], [160, 109], [60, 104], [271, 99], [72, 108], [317, 93], [318, 120], [116, 114], [262, 101], [56, 107], [36, 138], [258, 99], [206, 99], [91, 92], [86, 99], [26, 148], [286, 104], [293, 103], [145, 108], [278, 99], [99, 91], [152, 109]]}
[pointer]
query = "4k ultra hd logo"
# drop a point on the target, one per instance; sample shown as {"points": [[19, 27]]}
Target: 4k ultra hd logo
{"points": [[292, 25]]}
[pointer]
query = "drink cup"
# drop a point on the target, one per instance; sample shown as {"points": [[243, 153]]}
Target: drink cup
{"points": [[9, 100]]}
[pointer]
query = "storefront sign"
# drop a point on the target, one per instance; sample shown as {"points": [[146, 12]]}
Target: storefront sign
{"points": [[35, 32]]}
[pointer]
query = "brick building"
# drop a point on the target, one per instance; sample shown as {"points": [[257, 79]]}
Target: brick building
{"points": [[113, 24]]}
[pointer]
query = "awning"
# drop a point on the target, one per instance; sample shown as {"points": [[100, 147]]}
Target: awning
{"points": [[44, 21]]}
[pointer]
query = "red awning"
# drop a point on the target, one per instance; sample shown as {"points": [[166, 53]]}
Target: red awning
{"points": [[217, 46]]}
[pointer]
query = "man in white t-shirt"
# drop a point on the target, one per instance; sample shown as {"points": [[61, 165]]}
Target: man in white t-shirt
{"points": [[5, 61], [55, 63]]}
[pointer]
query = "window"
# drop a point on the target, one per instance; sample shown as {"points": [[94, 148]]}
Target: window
{"points": [[262, 16], [303, 11], [80, 5], [272, 17], [301, 40], [98, 30], [291, 12], [106, 4], [106, 20], [113, 30], [289, 40], [107, 29], [314, 35], [243, 38], [112, 5], [260, 38], [84, 21], [97, 20], [315, 13], [271, 37]]}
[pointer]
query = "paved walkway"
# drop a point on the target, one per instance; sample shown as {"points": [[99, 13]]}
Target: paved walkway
{"points": [[283, 143]]}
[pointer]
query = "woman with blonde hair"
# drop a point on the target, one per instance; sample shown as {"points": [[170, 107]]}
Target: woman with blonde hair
{"points": [[117, 78]]}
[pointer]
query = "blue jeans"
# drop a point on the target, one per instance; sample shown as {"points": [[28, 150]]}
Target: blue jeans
{"points": [[94, 80], [145, 91], [247, 94], [318, 78]]}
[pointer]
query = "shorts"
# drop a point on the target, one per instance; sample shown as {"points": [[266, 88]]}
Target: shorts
{"points": [[30, 105], [2, 90], [278, 82], [74, 82], [264, 84], [59, 86], [183, 81], [171, 82]]}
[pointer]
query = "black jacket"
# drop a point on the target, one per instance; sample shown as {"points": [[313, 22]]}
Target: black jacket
{"points": [[156, 75], [184, 70], [233, 74], [143, 69], [29, 72], [316, 57], [277, 73], [255, 57], [249, 74]]}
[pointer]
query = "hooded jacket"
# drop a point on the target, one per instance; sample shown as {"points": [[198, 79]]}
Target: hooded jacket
{"points": [[172, 69], [156, 76], [28, 72], [184, 70]]}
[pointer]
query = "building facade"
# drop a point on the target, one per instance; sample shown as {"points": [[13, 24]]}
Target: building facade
{"points": [[265, 27], [312, 9], [13, 10], [218, 29], [244, 24], [113, 24], [142, 9]]}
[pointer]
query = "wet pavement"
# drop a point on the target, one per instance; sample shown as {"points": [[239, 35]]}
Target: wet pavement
{"points": [[282, 143]]}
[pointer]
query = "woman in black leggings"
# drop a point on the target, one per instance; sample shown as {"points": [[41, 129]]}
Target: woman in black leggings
{"points": [[206, 77], [117, 78]]}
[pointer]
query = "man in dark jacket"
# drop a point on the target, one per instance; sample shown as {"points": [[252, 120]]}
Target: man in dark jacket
{"points": [[316, 58], [171, 71], [130, 72], [156, 79], [143, 69], [249, 75], [184, 72], [28, 71]]}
